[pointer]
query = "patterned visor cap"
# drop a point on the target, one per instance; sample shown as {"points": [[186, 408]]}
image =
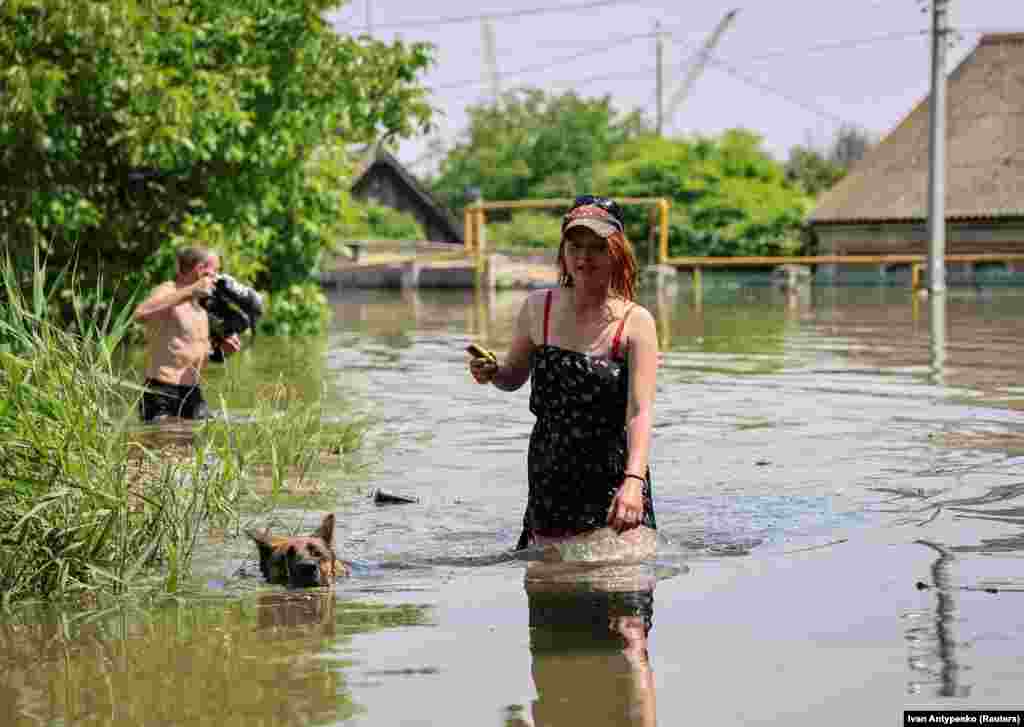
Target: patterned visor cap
{"points": [[593, 218]]}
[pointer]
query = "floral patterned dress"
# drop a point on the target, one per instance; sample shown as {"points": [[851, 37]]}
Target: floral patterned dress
{"points": [[578, 447]]}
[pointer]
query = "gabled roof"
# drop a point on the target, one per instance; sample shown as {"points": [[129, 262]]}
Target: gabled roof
{"points": [[382, 160], [984, 149]]}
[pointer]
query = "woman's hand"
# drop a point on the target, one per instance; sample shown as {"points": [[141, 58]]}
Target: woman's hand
{"points": [[483, 369], [627, 508]]}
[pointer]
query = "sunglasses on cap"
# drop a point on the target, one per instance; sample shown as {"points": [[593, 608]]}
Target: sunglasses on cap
{"points": [[604, 203]]}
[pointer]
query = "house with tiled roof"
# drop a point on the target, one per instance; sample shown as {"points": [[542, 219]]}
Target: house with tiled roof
{"points": [[384, 180], [881, 206]]}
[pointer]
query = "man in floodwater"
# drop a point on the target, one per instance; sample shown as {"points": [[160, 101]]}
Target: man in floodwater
{"points": [[178, 338]]}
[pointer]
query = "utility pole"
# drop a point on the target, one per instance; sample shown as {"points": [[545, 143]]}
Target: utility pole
{"points": [[490, 54], [369, 18], [937, 153], [703, 56], [659, 52]]}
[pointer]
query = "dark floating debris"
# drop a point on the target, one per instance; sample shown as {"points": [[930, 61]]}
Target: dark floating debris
{"points": [[922, 586], [389, 498]]}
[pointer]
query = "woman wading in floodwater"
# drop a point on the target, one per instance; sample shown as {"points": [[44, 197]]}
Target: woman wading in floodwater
{"points": [[592, 353]]}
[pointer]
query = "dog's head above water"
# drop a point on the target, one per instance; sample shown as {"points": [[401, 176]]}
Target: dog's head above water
{"points": [[301, 561]]}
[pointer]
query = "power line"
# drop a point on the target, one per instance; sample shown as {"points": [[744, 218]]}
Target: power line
{"points": [[645, 73], [453, 20], [836, 45], [724, 66], [830, 45], [817, 110], [589, 51], [625, 40]]}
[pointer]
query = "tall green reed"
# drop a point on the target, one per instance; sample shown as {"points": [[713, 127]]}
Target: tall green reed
{"points": [[287, 440]]}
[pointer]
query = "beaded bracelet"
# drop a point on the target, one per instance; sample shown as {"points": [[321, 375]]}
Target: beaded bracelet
{"points": [[638, 477]]}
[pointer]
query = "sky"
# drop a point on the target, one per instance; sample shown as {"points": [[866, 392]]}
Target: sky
{"points": [[791, 70]]}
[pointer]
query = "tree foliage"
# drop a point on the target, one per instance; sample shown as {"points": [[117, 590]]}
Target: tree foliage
{"points": [[526, 229], [373, 221], [729, 196], [818, 170], [128, 127], [533, 144], [812, 170]]}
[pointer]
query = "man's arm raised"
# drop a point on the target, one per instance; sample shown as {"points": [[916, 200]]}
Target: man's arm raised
{"points": [[166, 296]]}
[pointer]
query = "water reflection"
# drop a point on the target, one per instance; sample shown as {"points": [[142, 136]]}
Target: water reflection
{"points": [[589, 638], [968, 340], [249, 662], [937, 329], [933, 647]]}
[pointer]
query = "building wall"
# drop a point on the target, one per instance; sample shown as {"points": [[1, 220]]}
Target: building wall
{"points": [[910, 238]]}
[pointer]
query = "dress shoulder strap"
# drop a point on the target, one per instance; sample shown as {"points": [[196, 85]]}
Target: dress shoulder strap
{"points": [[547, 315], [618, 333]]}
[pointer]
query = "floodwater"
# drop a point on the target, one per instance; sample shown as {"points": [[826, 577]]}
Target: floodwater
{"points": [[839, 484]]}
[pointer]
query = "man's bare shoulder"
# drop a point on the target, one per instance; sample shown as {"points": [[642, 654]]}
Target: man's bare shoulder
{"points": [[161, 290], [144, 312]]}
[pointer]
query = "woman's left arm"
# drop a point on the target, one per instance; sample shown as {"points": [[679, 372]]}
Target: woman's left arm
{"points": [[627, 508]]}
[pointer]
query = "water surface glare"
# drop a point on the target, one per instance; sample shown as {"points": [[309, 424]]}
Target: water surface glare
{"points": [[839, 486]]}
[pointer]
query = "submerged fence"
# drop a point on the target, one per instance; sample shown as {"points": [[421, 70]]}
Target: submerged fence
{"points": [[916, 262]]}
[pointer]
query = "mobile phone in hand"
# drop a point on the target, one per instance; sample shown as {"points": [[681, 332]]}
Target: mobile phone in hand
{"points": [[477, 351]]}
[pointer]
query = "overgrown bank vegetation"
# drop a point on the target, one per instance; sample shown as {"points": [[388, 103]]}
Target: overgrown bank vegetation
{"points": [[87, 506]]}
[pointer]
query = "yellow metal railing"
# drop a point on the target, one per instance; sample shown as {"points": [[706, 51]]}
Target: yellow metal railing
{"points": [[915, 261]]}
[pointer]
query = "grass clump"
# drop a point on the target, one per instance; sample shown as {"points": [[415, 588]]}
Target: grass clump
{"points": [[285, 441]]}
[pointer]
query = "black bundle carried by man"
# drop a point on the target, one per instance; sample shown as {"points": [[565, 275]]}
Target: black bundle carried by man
{"points": [[233, 308]]}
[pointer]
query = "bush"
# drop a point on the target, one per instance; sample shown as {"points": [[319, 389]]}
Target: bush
{"points": [[300, 310], [385, 223], [536, 230]]}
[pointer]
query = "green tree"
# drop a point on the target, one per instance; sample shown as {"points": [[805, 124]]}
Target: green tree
{"points": [[127, 128], [532, 144], [818, 170], [812, 170], [729, 196]]}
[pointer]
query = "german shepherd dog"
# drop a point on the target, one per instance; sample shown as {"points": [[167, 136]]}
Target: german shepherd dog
{"points": [[302, 561]]}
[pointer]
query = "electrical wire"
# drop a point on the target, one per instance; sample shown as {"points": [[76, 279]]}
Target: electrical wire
{"points": [[816, 110], [720, 64], [553, 63], [836, 45], [507, 15], [597, 49]]}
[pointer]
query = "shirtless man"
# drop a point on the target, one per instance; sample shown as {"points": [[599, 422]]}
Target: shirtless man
{"points": [[178, 338]]}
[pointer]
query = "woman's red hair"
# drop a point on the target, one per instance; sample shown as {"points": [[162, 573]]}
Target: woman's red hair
{"points": [[624, 268]]}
